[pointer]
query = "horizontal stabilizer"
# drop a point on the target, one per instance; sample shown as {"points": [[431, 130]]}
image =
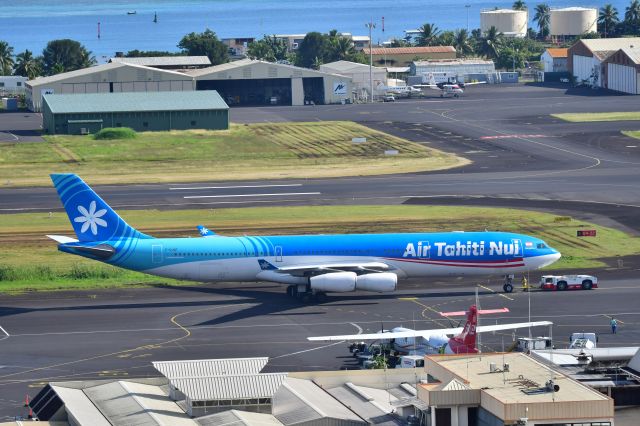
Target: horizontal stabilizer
{"points": [[62, 239], [481, 311]]}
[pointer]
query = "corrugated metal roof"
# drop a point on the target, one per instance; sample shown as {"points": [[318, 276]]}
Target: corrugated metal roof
{"points": [[454, 62], [603, 54], [80, 406], [376, 410], [344, 66], [398, 69], [230, 387], [165, 61], [238, 418], [156, 403], [251, 62], [95, 69], [455, 384], [210, 367], [134, 101], [410, 50], [117, 405], [557, 52], [633, 54], [596, 44]]}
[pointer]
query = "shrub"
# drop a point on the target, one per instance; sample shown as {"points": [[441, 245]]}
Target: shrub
{"points": [[115, 133]]}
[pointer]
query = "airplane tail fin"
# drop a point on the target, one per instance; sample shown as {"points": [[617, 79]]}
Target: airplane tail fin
{"points": [[465, 342], [91, 217]]}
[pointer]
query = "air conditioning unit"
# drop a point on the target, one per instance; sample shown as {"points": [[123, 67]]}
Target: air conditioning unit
{"points": [[84, 131]]}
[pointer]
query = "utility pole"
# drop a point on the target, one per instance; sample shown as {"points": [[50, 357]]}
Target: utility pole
{"points": [[467, 6], [370, 25]]}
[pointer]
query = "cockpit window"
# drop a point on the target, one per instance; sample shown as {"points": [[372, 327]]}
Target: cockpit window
{"points": [[541, 246]]}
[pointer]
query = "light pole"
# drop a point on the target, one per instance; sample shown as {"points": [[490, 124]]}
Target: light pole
{"points": [[514, 59], [467, 6], [370, 25]]}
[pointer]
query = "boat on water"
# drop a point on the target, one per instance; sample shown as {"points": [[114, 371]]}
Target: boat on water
{"points": [[131, 12]]}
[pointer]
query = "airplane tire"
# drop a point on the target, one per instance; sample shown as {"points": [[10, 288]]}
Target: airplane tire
{"points": [[290, 291], [587, 285], [306, 297], [508, 288]]}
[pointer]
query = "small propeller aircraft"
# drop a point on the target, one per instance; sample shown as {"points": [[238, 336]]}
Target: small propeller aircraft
{"points": [[459, 340], [451, 87]]}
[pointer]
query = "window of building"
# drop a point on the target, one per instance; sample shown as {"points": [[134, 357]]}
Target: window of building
{"points": [[19, 83], [145, 124], [193, 122]]}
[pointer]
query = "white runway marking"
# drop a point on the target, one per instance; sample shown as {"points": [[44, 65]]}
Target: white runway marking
{"points": [[233, 187], [5, 332], [252, 195]]}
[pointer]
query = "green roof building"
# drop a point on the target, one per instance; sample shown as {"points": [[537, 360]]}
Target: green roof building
{"points": [[142, 111]]}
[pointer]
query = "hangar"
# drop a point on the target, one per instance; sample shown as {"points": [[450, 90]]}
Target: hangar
{"points": [[359, 74], [141, 111], [254, 82], [107, 78], [622, 71], [586, 57]]}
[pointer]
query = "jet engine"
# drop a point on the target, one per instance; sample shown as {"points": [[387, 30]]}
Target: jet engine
{"points": [[380, 282], [339, 282]]}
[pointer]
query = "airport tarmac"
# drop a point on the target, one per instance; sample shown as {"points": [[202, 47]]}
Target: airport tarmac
{"points": [[522, 158], [117, 333]]}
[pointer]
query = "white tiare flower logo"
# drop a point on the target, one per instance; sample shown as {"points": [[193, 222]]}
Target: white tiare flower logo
{"points": [[91, 218]]}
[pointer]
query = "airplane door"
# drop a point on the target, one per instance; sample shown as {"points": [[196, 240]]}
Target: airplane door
{"points": [[278, 253], [156, 253]]}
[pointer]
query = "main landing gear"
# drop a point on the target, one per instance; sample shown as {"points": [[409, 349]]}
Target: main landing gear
{"points": [[508, 283], [305, 294]]}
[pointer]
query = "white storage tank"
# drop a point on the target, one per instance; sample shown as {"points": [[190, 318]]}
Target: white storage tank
{"points": [[512, 23], [573, 21]]}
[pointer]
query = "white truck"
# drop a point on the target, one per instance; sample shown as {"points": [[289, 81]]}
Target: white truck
{"points": [[411, 361], [583, 341], [568, 282]]}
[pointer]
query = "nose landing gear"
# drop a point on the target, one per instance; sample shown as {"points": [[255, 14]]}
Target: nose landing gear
{"points": [[508, 283]]}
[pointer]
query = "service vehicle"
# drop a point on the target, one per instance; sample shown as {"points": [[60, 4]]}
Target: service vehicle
{"points": [[583, 341], [411, 361], [568, 282]]}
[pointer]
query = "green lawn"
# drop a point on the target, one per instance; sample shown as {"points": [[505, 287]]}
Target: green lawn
{"points": [[632, 133], [28, 260], [599, 116], [256, 151]]}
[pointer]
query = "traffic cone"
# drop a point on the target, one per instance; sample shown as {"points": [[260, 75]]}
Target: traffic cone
{"points": [[26, 400], [30, 416]]}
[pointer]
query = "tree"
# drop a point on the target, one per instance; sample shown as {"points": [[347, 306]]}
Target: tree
{"points": [[632, 17], [312, 50], [206, 43], [270, 48], [608, 19], [150, 53], [519, 5], [542, 15], [6, 58], [489, 45], [399, 42], [462, 43], [428, 35], [65, 55], [446, 38], [27, 65]]}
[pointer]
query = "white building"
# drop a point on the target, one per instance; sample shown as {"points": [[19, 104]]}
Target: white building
{"points": [[554, 59], [359, 75], [586, 57], [12, 84], [622, 71]]}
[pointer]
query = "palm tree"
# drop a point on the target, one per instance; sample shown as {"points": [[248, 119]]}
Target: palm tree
{"points": [[608, 18], [490, 44], [519, 5], [543, 16], [428, 35], [27, 65], [6, 58], [462, 43], [632, 13], [344, 49]]}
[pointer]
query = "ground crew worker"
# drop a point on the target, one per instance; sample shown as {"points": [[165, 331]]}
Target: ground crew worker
{"points": [[525, 284], [614, 325]]}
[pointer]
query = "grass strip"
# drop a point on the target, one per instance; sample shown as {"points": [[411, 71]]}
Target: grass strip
{"points": [[30, 261], [598, 116], [244, 152]]}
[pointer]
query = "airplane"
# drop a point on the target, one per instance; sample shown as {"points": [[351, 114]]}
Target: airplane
{"points": [[311, 265], [459, 340], [449, 87], [399, 90]]}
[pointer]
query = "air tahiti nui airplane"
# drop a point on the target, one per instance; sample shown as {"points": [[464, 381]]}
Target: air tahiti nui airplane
{"points": [[309, 264]]}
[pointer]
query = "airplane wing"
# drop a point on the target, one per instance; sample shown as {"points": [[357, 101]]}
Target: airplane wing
{"points": [[474, 83], [499, 327], [325, 267], [426, 333], [387, 335]]}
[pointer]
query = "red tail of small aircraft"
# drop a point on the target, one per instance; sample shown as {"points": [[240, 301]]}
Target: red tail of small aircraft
{"points": [[465, 342]]}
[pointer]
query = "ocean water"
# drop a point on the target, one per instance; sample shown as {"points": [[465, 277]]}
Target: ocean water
{"points": [[30, 24]]}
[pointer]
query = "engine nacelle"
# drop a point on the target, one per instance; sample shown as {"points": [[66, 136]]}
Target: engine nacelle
{"points": [[339, 282], [379, 282]]}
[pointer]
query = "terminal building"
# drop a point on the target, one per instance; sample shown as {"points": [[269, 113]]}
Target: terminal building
{"points": [[459, 390]]}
